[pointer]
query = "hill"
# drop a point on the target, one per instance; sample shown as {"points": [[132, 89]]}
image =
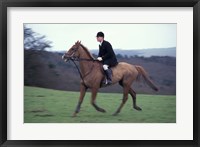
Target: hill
{"points": [[48, 70], [162, 52], [145, 52]]}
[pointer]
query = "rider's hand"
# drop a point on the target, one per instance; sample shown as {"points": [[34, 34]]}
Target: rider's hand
{"points": [[99, 58]]}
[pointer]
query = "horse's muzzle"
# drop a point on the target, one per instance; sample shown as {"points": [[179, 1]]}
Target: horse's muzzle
{"points": [[65, 58]]}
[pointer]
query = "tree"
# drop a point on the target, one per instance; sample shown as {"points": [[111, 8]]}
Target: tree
{"points": [[34, 40], [119, 56]]}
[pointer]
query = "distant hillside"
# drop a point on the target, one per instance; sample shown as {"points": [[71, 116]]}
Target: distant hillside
{"points": [[47, 69], [144, 52]]}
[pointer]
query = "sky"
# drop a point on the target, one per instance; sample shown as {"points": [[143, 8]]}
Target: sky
{"points": [[121, 36]]}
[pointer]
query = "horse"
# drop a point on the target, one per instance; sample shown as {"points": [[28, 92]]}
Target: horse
{"points": [[92, 75]]}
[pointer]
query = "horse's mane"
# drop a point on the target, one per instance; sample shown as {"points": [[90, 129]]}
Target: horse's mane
{"points": [[87, 51]]}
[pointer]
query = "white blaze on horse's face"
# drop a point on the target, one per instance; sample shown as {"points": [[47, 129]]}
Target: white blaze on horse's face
{"points": [[64, 57]]}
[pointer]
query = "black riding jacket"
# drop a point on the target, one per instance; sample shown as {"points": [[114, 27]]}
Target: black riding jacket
{"points": [[107, 54]]}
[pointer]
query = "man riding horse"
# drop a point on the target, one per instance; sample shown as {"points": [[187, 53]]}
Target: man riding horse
{"points": [[107, 56], [91, 76]]}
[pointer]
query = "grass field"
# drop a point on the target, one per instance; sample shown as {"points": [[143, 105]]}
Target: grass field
{"points": [[52, 106]]}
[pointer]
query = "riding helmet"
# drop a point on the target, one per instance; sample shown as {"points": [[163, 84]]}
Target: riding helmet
{"points": [[100, 34]]}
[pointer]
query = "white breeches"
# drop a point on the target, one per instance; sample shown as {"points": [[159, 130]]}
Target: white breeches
{"points": [[105, 67]]}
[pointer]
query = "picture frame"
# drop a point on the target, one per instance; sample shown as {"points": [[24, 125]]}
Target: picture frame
{"points": [[100, 3]]}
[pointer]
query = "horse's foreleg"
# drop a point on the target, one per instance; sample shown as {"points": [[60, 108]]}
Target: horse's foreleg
{"points": [[93, 100], [125, 98], [133, 95], [83, 89]]}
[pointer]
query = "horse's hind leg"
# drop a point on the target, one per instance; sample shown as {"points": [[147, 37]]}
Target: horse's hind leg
{"points": [[133, 95], [125, 97], [93, 100], [83, 89]]}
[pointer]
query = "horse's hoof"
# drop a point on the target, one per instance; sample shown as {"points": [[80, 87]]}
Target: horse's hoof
{"points": [[102, 110], [74, 115], [138, 108], [115, 114]]}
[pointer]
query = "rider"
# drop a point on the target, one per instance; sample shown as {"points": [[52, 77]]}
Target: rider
{"points": [[107, 56]]}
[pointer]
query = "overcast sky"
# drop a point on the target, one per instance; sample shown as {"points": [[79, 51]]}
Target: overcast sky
{"points": [[121, 36]]}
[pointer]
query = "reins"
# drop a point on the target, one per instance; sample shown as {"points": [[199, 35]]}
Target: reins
{"points": [[73, 59], [81, 59]]}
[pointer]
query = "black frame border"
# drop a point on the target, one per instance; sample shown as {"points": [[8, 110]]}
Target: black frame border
{"points": [[4, 4]]}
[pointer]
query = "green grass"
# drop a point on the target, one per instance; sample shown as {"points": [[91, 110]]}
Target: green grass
{"points": [[52, 106]]}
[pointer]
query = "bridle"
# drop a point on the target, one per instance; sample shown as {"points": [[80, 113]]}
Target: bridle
{"points": [[76, 58]]}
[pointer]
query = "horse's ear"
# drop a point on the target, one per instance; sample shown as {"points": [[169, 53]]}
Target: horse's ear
{"points": [[78, 42]]}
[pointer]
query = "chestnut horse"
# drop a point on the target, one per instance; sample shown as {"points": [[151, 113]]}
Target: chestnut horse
{"points": [[92, 75]]}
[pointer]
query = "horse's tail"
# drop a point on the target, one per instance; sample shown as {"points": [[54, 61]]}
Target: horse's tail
{"points": [[144, 74]]}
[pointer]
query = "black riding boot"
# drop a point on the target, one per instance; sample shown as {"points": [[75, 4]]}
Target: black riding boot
{"points": [[108, 76]]}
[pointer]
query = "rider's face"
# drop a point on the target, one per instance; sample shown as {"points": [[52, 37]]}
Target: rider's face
{"points": [[99, 39]]}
